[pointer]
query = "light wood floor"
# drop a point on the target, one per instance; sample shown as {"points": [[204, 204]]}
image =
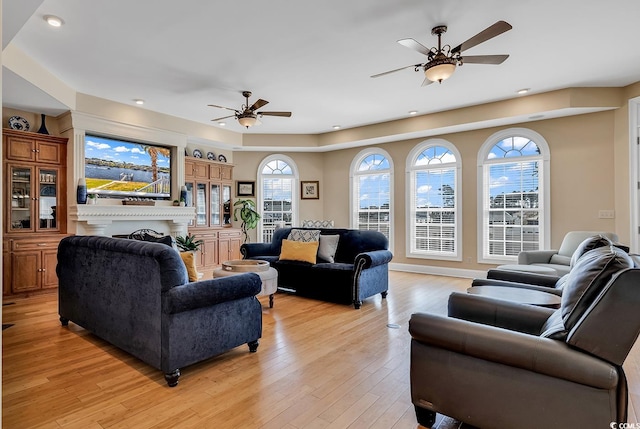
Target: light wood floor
{"points": [[319, 365]]}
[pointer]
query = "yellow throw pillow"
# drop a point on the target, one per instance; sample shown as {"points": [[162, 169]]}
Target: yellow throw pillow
{"points": [[189, 259], [299, 251]]}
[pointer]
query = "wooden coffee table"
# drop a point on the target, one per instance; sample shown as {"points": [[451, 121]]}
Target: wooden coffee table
{"points": [[519, 295]]}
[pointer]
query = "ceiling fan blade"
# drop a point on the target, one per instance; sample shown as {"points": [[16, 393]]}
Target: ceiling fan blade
{"points": [[486, 34], [258, 104], [285, 114], [221, 107], [416, 46], [224, 117], [484, 59], [396, 70]]}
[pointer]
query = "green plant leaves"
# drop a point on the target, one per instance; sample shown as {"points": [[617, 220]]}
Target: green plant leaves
{"points": [[188, 242]]}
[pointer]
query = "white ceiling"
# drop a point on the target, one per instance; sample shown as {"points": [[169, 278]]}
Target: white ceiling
{"points": [[315, 58]]}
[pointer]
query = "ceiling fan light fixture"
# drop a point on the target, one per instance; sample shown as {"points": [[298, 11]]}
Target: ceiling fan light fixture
{"points": [[247, 120], [440, 68]]}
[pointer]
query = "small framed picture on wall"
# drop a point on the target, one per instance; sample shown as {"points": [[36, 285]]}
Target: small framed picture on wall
{"points": [[245, 189], [309, 190]]}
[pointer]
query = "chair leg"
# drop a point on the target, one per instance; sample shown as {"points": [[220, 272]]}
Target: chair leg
{"points": [[172, 377], [425, 417], [253, 346]]}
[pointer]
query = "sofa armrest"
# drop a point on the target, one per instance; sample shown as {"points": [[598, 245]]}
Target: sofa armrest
{"points": [[250, 250], [206, 293], [514, 349], [494, 312], [373, 258], [528, 257], [523, 277], [489, 282]]}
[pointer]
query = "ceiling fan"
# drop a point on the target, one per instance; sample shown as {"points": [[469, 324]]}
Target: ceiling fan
{"points": [[247, 115], [442, 61]]}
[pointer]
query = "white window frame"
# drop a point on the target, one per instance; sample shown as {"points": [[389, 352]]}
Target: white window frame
{"points": [[294, 189], [354, 199], [544, 191], [411, 169]]}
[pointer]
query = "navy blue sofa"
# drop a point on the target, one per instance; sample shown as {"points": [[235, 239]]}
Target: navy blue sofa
{"points": [[359, 271], [136, 295]]}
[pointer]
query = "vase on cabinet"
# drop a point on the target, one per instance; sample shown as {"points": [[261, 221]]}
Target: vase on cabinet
{"points": [[81, 192]]}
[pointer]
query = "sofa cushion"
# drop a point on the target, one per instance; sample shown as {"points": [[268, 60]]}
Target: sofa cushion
{"points": [[189, 259], [304, 235], [299, 251], [327, 247], [560, 260]]}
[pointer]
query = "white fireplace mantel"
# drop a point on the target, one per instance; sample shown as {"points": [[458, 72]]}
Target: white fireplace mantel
{"points": [[96, 219]]}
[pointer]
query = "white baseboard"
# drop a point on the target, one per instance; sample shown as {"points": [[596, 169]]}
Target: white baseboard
{"points": [[439, 271]]}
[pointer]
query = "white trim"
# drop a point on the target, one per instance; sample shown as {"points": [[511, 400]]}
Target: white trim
{"points": [[438, 271], [355, 162], [409, 212], [545, 181], [294, 188], [634, 174]]}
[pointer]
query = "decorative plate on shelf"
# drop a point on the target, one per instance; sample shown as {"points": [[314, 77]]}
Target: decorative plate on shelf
{"points": [[211, 156], [197, 153], [18, 123], [222, 158]]}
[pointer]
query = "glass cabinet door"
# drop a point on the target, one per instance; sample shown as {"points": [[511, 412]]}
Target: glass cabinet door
{"points": [[215, 204], [226, 204], [48, 198], [189, 199], [201, 204], [21, 198]]}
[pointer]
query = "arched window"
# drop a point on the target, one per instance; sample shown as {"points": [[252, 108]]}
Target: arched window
{"points": [[277, 184], [371, 184], [434, 212], [513, 173]]}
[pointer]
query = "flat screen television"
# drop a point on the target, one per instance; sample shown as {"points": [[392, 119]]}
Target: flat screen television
{"points": [[116, 168]]}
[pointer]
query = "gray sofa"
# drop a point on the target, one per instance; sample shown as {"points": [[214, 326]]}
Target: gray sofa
{"points": [[136, 295], [498, 364], [359, 271]]}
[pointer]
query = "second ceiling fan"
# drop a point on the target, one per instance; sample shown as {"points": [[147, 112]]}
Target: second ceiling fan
{"points": [[442, 61], [247, 116]]}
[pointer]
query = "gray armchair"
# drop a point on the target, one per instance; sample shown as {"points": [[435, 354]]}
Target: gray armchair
{"points": [[496, 364], [560, 259]]}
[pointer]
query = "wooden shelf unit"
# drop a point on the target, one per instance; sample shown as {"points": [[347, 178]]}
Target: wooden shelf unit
{"points": [[35, 201], [209, 189]]}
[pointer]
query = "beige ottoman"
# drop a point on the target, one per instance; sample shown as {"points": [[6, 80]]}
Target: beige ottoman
{"points": [[268, 275]]}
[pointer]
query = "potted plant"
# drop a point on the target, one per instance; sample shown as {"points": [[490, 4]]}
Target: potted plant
{"points": [[92, 198], [248, 215], [182, 202], [176, 203], [188, 243]]}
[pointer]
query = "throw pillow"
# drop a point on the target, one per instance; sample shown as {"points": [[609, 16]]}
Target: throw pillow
{"points": [[299, 251], [328, 246], [304, 235], [189, 259]]}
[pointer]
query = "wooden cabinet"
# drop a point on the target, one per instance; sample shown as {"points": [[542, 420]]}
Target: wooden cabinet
{"points": [[209, 185], [31, 264], [34, 196], [229, 243]]}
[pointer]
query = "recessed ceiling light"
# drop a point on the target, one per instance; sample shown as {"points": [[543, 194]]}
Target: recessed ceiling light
{"points": [[53, 21], [222, 124], [523, 91], [336, 127], [139, 101], [413, 112]]}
